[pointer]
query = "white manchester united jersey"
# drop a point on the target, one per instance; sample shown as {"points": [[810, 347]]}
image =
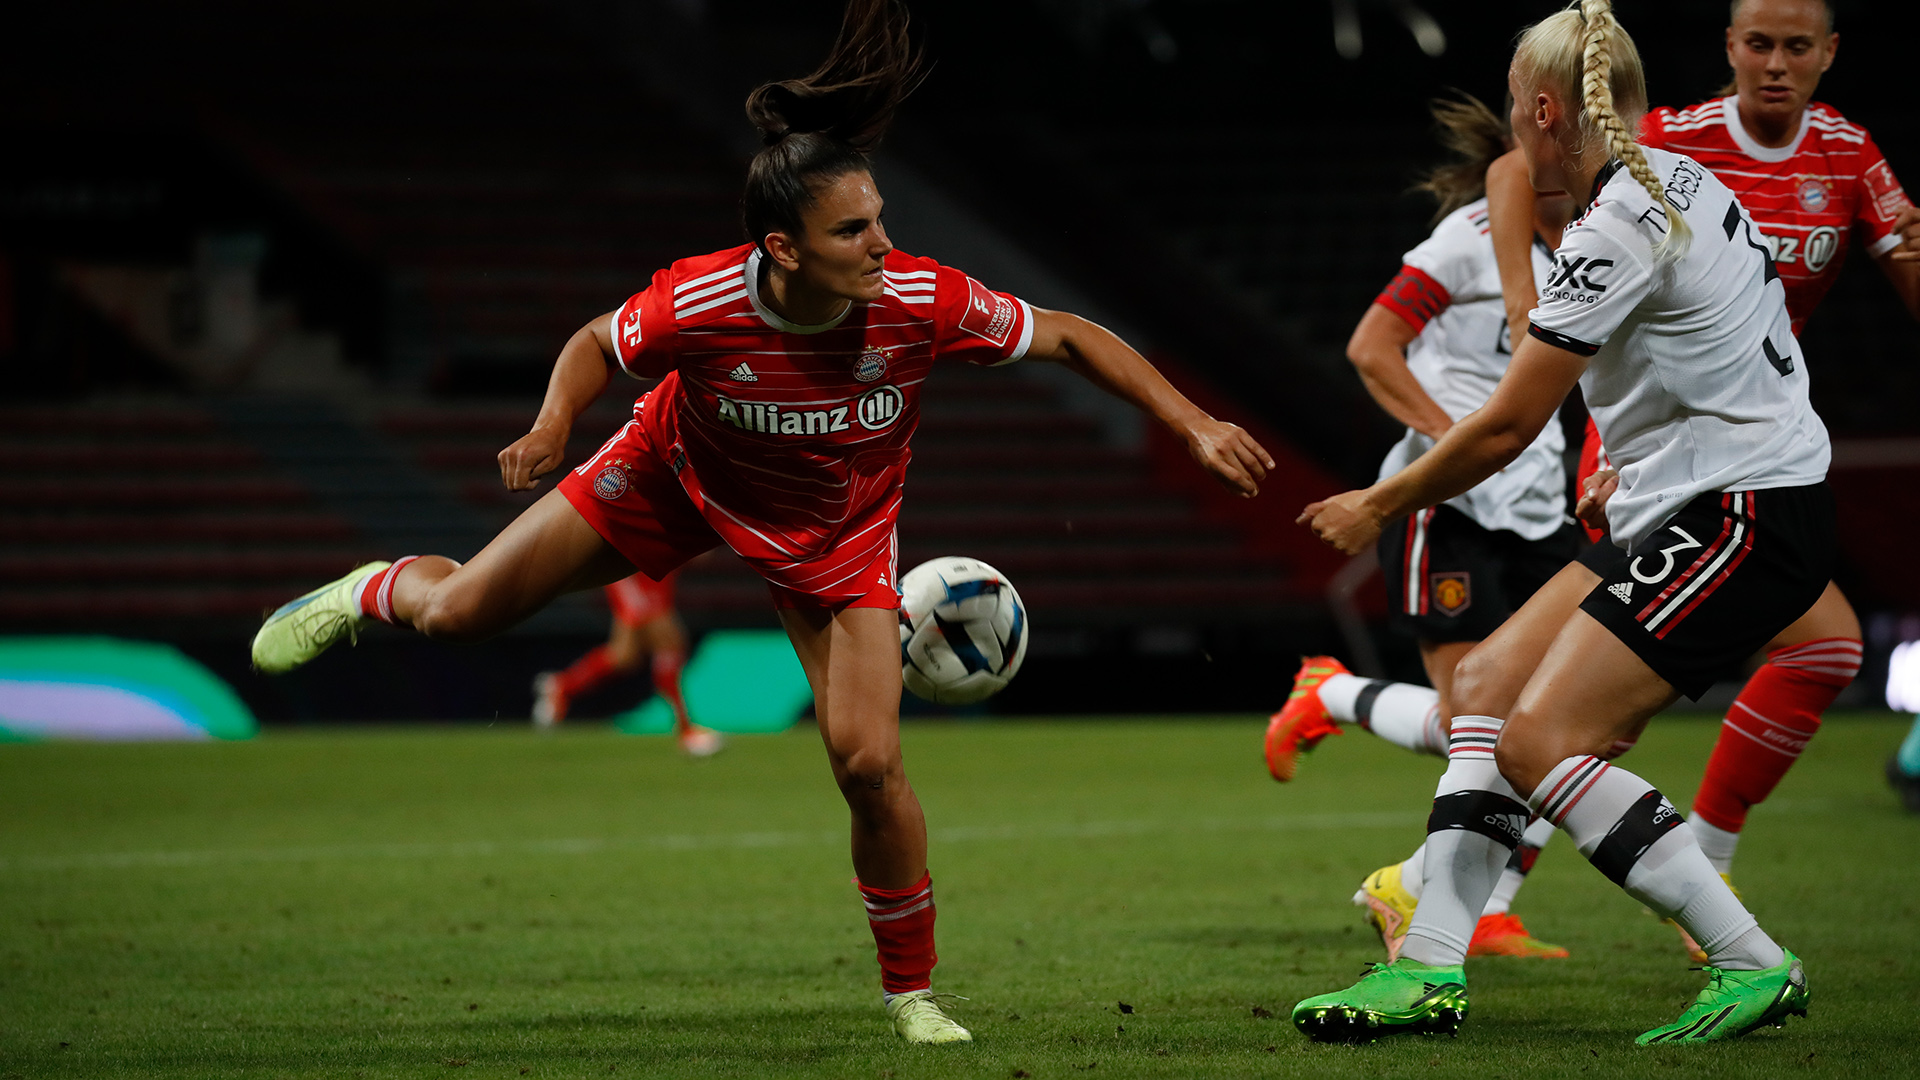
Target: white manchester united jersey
{"points": [[1448, 289], [1697, 383]]}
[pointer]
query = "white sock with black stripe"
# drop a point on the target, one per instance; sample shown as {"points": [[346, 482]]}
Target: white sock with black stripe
{"points": [[1477, 819], [1401, 713], [1633, 835]]}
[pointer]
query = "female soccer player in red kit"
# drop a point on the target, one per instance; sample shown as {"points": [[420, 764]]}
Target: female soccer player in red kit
{"points": [[1815, 184], [645, 627], [790, 372]]}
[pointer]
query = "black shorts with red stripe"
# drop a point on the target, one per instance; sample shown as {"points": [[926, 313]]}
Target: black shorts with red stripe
{"points": [[1449, 578], [1713, 585]]}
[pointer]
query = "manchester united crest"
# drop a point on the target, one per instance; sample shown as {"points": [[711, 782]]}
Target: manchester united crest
{"points": [[872, 365], [1452, 593]]}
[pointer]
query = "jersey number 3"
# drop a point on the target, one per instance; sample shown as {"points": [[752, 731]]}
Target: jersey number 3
{"points": [[1733, 224]]}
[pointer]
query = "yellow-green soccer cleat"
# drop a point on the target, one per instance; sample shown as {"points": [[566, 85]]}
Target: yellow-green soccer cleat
{"points": [[1736, 1002], [1402, 998], [304, 628], [1389, 907], [918, 1018]]}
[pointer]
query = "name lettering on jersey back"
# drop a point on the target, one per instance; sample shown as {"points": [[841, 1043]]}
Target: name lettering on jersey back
{"points": [[875, 410]]}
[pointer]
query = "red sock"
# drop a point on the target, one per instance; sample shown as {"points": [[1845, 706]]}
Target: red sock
{"points": [[376, 593], [587, 672], [1769, 724], [666, 682], [902, 923]]}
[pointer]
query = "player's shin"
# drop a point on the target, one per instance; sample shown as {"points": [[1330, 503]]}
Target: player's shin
{"points": [[1477, 820], [1401, 713], [666, 682], [1633, 835], [1519, 865], [1769, 724], [902, 924]]}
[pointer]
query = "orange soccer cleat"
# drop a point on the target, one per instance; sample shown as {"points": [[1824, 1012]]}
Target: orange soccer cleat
{"points": [[1505, 935], [1303, 721]]}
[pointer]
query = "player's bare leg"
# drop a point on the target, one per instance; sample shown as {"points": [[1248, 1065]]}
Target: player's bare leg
{"points": [[548, 550], [852, 661]]}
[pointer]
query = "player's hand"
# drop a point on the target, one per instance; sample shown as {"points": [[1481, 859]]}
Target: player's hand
{"points": [[532, 456], [1347, 521], [1592, 507], [1230, 454], [1907, 227]]}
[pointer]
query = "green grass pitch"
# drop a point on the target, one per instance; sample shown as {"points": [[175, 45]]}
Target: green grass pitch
{"points": [[488, 903]]}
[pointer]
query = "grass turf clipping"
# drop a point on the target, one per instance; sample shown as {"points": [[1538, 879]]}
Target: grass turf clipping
{"points": [[1117, 899]]}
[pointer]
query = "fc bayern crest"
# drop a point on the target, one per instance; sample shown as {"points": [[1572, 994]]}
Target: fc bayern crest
{"points": [[872, 365], [611, 483], [1813, 196]]}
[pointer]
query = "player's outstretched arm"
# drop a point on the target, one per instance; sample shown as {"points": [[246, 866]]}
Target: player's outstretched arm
{"points": [[1481, 444], [1223, 449], [1378, 351], [1510, 199], [578, 377], [1902, 263]]}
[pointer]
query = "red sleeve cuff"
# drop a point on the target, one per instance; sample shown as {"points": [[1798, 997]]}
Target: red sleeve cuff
{"points": [[1414, 296]]}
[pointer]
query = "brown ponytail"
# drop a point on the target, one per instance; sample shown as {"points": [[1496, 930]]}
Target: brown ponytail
{"points": [[1476, 137], [821, 127]]}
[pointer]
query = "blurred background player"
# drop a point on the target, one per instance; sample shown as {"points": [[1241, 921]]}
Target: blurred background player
{"points": [[790, 370], [645, 625], [1815, 185], [1679, 335], [1430, 350]]}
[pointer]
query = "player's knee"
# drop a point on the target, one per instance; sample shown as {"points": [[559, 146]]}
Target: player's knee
{"points": [[1523, 760], [447, 615], [1481, 685], [866, 771]]}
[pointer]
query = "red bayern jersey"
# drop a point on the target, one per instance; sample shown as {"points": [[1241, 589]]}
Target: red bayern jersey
{"points": [[1810, 197], [793, 440]]}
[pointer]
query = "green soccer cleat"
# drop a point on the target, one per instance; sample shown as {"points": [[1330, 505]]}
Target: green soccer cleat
{"points": [[918, 1018], [304, 628], [1736, 1002], [1404, 997]]}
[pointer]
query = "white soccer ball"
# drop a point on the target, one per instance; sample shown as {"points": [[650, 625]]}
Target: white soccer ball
{"points": [[963, 630]]}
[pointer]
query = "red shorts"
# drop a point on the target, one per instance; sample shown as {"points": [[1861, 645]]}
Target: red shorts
{"points": [[638, 600], [629, 494]]}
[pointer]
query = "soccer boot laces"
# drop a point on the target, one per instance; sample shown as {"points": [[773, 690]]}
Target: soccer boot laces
{"points": [[307, 626], [1402, 998], [1505, 935], [1736, 1002], [919, 1016], [1389, 907], [1303, 721]]}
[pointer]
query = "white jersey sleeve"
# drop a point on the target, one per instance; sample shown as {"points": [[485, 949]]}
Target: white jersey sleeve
{"points": [[1451, 255], [1696, 381]]}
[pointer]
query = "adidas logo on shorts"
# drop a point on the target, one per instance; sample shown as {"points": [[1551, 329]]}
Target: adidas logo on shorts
{"points": [[743, 373], [1624, 590]]}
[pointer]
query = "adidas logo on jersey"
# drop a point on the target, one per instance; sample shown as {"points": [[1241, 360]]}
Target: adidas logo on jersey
{"points": [[1624, 590], [743, 373]]}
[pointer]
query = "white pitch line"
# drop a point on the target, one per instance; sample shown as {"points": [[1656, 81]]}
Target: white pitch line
{"points": [[120, 860]]}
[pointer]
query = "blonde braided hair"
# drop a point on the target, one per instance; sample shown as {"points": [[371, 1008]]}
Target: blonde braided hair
{"points": [[1587, 56], [1596, 95]]}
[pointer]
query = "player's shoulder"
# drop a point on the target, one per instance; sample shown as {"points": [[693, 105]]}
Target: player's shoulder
{"points": [[1826, 126], [913, 282], [1462, 235], [707, 287], [1691, 124], [711, 268]]}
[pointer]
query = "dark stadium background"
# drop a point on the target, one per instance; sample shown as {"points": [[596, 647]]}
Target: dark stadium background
{"points": [[277, 280]]}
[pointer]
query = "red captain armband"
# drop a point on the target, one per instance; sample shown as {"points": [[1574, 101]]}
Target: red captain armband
{"points": [[1414, 296]]}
